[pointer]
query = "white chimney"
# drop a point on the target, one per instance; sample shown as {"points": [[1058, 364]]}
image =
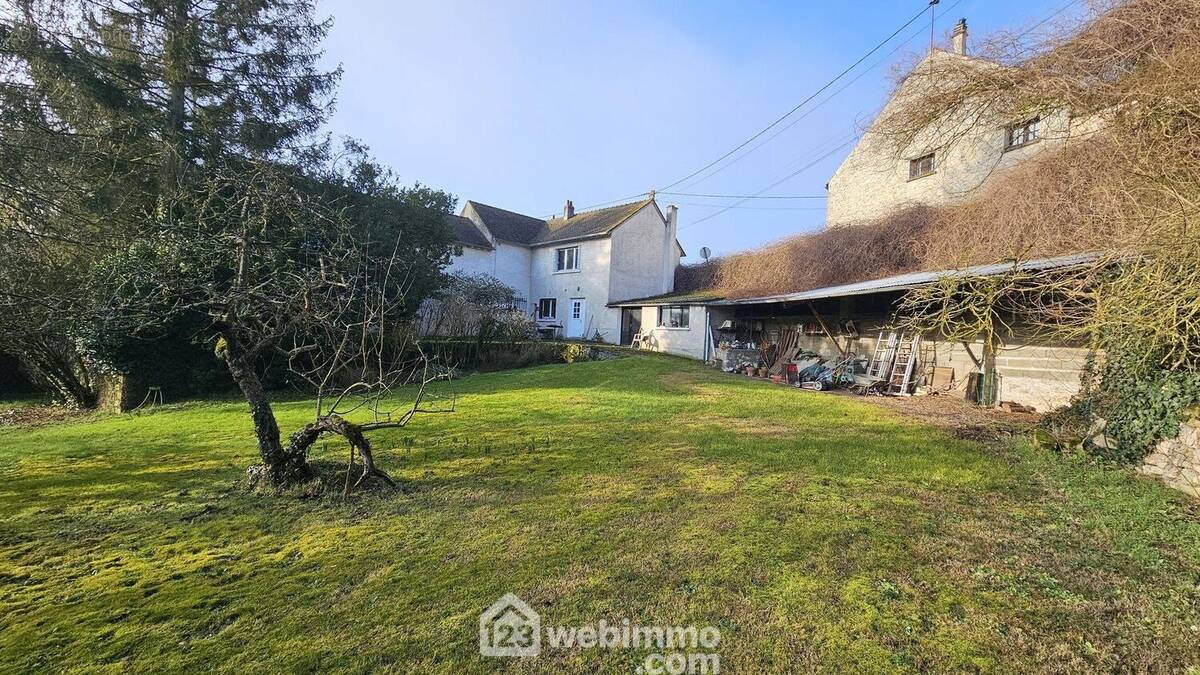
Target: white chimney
{"points": [[958, 39], [569, 209], [671, 253]]}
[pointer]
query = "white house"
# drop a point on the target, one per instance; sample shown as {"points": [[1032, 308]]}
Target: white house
{"points": [[569, 268]]}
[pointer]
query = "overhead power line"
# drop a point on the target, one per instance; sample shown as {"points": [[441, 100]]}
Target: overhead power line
{"points": [[665, 191], [862, 73], [800, 105], [778, 182], [693, 194], [752, 208]]}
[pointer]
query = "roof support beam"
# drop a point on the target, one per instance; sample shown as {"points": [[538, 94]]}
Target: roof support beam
{"points": [[825, 327]]}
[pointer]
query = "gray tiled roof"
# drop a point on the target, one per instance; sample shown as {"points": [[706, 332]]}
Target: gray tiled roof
{"points": [[588, 223], [507, 225], [467, 233], [530, 231]]}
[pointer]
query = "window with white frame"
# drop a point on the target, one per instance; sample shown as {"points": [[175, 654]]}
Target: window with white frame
{"points": [[547, 308], [1023, 133], [673, 317], [922, 166], [567, 259]]}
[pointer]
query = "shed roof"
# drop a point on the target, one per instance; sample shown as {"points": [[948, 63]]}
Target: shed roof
{"points": [[916, 279], [900, 282], [681, 298]]}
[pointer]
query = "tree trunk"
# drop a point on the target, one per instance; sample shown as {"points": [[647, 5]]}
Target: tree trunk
{"points": [[335, 424], [281, 466]]}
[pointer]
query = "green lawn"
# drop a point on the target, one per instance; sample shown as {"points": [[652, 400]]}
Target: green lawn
{"points": [[816, 532]]}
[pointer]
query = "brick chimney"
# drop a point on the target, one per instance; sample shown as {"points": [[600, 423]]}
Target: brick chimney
{"points": [[569, 209], [958, 39]]}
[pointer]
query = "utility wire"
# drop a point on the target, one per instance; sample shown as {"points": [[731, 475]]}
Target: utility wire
{"points": [[1057, 12], [802, 103], [752, 208], [778, 182], [693, 194], [819, 104], [665, 191]]}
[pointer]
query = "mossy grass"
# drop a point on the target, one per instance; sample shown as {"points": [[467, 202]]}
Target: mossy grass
{"points": [[815, 531]]}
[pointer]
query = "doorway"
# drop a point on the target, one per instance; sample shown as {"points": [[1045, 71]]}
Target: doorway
{"points": [[577, 318], [631, 324]]}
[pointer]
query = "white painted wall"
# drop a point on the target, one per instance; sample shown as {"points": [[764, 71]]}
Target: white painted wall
{"points": [[689, 342], [507, 263], [590, 282], [473, 261], [640, 248]]}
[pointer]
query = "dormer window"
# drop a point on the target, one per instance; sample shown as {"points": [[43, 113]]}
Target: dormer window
{"points": [[1023, 134], [921, 166], [567, 259]]}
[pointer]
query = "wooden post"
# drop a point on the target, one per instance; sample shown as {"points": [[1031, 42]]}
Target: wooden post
{"points": [[812, 308]]}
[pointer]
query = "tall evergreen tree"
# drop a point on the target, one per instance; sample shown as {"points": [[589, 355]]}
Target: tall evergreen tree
{"points": [[105, 108], [163, 161]]}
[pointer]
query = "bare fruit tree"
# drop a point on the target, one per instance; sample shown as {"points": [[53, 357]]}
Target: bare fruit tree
{"points": [[314, 271]]}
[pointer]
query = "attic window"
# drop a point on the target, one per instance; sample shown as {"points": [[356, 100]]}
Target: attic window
{"points": [[1023, 134], [567, 259], [921, 166]]}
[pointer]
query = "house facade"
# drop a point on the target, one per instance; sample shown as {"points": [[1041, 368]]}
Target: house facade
{"points": [[566, 270], [875, 180]]}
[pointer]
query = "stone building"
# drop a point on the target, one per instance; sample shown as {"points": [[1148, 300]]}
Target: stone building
{"points": [[940, 167]]}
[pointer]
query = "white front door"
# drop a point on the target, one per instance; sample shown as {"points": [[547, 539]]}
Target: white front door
{"points": [[577, 318]]}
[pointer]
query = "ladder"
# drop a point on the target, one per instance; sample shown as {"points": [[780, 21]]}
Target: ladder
{"points": [[881, 360], [907, 353]]}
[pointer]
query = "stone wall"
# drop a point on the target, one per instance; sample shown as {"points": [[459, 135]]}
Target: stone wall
{"points": [[1176, 462]]}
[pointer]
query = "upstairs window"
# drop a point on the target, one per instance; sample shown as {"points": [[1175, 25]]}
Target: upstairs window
{"points": [[1023, 134], [567, 259], [673, 317], [547, 308], [921, 166]]}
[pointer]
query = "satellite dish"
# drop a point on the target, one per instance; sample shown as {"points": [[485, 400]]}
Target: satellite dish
{"points": [[705, 252]]}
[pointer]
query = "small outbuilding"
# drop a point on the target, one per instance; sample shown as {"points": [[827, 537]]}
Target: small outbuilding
{"points": [[837, 321]]}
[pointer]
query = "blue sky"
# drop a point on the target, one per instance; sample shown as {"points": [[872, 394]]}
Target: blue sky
{"points": [[525, 104]]}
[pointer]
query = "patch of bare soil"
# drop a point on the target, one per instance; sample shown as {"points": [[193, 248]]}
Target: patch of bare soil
{"points": [[963, 420], [37, 415]]}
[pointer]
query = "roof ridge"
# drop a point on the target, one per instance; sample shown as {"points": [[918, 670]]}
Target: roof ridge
{"points": [[605, 208], [515, 213]]}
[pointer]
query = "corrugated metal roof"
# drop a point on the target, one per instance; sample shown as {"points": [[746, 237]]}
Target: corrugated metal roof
{"points": [[680, 298], [915, 279]]}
